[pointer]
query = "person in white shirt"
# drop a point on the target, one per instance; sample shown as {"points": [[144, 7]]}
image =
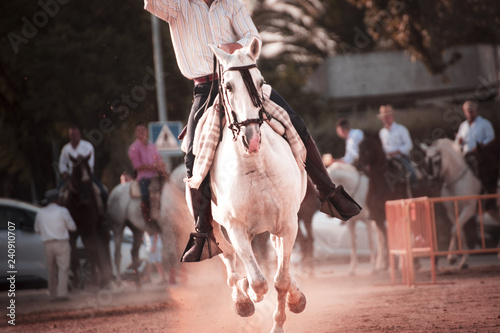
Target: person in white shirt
{"points": [[226, 23], [474, 130], [77, 146], [53, 223], [352, 137], [396, 139]]}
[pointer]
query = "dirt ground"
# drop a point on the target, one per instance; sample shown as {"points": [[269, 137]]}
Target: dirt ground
{"points": [[462, 301]]}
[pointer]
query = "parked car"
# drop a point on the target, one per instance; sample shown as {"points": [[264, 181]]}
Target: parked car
{"points": [[18, 217]]}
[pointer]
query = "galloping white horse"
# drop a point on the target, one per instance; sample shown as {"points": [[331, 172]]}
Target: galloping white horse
{"points": [[446, 162], [257, 186], [356, 184]]}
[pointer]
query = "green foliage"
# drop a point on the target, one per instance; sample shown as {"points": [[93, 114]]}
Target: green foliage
{"points": [[427, 28], [88, 63]]}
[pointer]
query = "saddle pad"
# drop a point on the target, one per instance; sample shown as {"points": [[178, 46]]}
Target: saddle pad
{"points": [[135, 190]]}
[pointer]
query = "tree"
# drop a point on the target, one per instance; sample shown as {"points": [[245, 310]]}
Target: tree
{"points": [[88, 63], [427, 28]]}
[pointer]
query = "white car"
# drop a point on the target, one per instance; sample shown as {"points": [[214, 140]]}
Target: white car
{"points": [[17, 219]]}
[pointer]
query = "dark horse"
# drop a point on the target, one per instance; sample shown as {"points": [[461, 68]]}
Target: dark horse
{"points": [[488, 158], [387, 181], [81, 200]]}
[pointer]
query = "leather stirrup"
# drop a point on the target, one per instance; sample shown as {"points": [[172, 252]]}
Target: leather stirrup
{"points": [[209, 247]]}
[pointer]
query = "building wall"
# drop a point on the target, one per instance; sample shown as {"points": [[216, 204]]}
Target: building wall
{"points": [[392, 73]]}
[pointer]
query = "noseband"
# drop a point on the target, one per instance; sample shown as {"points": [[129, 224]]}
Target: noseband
{"points": [[235, 125]]}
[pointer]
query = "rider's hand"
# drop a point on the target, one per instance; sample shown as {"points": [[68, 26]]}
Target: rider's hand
{"points": [[230, 47]]}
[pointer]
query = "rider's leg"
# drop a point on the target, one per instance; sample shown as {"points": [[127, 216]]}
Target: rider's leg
{"points": [[335, 201], [144, 187], [201, 197]]}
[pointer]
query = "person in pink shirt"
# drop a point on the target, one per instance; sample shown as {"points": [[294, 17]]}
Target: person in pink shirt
{"points": [[147, 163]]}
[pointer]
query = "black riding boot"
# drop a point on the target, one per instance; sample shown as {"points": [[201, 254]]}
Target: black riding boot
{"points": [[201, 244], [334, 199]]}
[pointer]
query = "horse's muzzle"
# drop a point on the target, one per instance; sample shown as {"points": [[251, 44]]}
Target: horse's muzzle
{"points": [[251, 139]]}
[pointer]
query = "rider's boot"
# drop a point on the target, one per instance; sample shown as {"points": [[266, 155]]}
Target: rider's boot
{"points": [[334, 199], [201, 244]]}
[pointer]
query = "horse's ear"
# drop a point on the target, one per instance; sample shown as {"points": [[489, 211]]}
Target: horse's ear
{"points": [[254, 49], [220, 54]]}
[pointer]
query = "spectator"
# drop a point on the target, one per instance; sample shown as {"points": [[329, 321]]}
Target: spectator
{"points": [[53, 223], [352, 137]]}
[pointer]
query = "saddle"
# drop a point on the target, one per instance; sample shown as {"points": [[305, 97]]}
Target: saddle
{"points": [[208, 133]]}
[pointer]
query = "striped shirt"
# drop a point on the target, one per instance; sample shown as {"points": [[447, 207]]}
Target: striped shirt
{"points": [[194, 25]]}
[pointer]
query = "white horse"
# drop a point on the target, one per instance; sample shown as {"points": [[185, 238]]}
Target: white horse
{"points": [[124, 210], [445, 161], [257, 186], [356, 184]]}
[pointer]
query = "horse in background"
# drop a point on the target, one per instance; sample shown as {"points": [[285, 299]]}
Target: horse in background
{"points": [[124, 210], [446, 163], [80, 197], [356, 184], [488, 158], [385, 183]]}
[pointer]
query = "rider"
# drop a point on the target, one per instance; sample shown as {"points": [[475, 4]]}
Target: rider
{"points": [[77, 146], [473, 131], [148, 163], [226, 23], [396, 140], [352, 137]]}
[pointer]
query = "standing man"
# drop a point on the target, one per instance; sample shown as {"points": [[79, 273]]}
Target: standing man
{"points": [[148, 164], [53, 223], [396, 139], [195, 24], [352, 137], [77, 146]]}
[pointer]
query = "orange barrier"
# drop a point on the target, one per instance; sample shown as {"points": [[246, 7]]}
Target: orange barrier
{"points": [[411, 231]]}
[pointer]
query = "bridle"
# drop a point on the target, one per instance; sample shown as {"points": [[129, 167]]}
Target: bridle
{"points": [[235, 125]]}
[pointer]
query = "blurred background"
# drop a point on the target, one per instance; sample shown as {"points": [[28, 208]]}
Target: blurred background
{"points": [[91, 63]]}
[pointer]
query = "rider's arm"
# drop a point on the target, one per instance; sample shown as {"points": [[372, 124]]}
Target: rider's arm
{"points": [[165, 9]]}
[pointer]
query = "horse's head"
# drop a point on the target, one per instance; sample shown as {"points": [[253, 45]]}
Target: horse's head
{"points": [[81, 176], [241, 89], [371, 155], [433, 160]]}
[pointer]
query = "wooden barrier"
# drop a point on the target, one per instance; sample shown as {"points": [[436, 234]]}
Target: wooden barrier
{"points": [[411, 230]]}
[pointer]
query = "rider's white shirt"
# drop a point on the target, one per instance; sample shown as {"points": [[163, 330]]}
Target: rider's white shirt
{"points": [[84, 148], [194, 25], [397, 137], [352, 145], [480, 131]]}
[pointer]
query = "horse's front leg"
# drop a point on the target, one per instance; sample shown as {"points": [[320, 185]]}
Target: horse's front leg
{"points": [[254, 285], [354, 253], [288, 292], [118, 238]]}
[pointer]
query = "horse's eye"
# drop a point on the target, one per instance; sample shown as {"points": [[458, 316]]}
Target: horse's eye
{"points": [[229, 87]]}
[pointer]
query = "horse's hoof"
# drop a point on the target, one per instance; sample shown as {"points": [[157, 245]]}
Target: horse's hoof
{"points": [[298, 306], [244, 308]]}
